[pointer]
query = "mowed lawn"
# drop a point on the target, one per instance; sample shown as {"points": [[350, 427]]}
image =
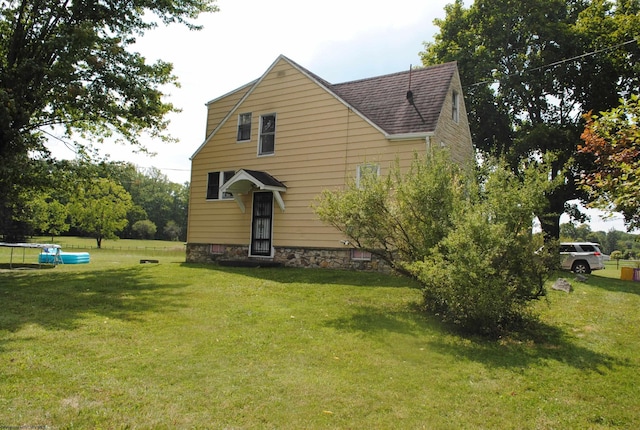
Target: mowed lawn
{"points": [[118, 344]]}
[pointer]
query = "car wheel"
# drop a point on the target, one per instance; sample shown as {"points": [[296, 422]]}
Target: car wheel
{"points": [[581, 267]]}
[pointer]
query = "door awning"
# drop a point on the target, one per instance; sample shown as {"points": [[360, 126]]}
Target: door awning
{"points": [[246, 180]]}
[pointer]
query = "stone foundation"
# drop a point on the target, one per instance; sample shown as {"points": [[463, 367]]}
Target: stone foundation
{"points": [[321, 258]]}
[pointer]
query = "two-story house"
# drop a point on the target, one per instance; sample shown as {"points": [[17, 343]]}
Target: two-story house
{"points": [[274, 144]]}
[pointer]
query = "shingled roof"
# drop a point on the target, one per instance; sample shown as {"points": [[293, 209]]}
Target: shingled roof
{"points": [[383, 99]]}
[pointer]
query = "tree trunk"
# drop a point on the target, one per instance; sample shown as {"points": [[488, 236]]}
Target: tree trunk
{"points": [[550, 224], [99, 242]]}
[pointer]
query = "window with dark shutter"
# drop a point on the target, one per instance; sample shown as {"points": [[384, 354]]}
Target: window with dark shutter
{"points": [[213, 185], [214, 181]]}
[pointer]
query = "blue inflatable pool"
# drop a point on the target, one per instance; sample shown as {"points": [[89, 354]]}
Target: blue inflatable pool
{"points": [[49, 257]]}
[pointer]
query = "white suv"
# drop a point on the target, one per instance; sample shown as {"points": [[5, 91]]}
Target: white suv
{"points": [[581, 257]]}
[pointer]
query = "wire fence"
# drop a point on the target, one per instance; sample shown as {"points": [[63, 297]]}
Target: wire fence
{"points": [[176, 248], [624, 263]]}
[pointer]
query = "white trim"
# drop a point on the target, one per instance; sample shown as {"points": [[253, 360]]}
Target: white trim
{"points": [[410, 136], [238, 126], [275, 130], [239, 202], [345, 103], [455, 106], [278, 198], [242, 183], [253, 85], [221, 182], [258, 81], [359, 168], [248, 84], [242, 175]]}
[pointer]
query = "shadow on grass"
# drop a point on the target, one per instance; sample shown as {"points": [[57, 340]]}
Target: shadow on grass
{"points": [[615, 285], [59, 300], [291, 275], [7, 267], [369, 320], [538, 343]]}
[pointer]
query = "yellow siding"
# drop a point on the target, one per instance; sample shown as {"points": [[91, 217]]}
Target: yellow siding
{"points": [[455, 135], [218, 110], [319, 143]]}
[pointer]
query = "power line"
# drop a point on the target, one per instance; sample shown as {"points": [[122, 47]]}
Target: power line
{"points": [[64, 142], [556, 63], [73, 149]]}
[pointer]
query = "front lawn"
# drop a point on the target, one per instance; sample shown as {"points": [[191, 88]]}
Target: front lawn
{"points": [[118, 344]]}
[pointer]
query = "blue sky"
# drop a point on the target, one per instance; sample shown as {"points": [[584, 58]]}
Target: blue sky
{"points": [[339, 40]]}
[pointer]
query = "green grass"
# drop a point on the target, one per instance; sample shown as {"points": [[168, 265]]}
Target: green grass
{"points": [[118, 344], [113, 253]]}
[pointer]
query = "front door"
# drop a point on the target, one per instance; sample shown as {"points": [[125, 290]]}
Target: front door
{"points": [[261, 224]]}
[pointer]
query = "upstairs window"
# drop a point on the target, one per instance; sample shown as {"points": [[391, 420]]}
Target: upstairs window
{"points": [[214, 181], [244, 127], [455, 106], [267, 143], [366, 171]]}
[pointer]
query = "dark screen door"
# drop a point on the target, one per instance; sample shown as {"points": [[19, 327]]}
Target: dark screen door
{"points": [[261, 224]]}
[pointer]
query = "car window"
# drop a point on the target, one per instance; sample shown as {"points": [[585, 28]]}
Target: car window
{"points": [[588, 248], [567, 248]]}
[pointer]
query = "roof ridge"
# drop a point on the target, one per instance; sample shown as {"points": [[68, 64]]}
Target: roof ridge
{"points": [[388, 75]]}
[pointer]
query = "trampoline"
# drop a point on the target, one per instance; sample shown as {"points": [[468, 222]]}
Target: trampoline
{"points": [[25, 246]]}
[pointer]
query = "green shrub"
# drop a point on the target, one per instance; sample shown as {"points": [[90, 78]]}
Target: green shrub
{"points": [[481, 278], [469, 242], [144, 229], [484, 274]]}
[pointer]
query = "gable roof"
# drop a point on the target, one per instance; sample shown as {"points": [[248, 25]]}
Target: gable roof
{"points": [[383, 101], [245, 179], [262, 180]]}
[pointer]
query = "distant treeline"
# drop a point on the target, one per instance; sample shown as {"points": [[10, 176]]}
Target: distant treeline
{"points": [[628, 244]]}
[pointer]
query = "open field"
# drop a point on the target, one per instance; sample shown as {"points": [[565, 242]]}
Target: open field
{"points": [[113, 252], [118, 344]]}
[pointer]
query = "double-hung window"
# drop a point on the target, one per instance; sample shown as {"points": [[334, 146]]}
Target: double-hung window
{"points": [[455, 106], [244, 127], [366, 172], [214, 181], [267, 144]]}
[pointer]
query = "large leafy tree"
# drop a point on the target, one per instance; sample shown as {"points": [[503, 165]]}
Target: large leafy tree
{"points": [[70, 64], [99, 209], [49, 216], [156, 198], [613, 137], [531, 69]]}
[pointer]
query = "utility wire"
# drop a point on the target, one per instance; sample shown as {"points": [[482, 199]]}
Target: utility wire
{"points": [[71, 148], [64, 142], [566, 60]]}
